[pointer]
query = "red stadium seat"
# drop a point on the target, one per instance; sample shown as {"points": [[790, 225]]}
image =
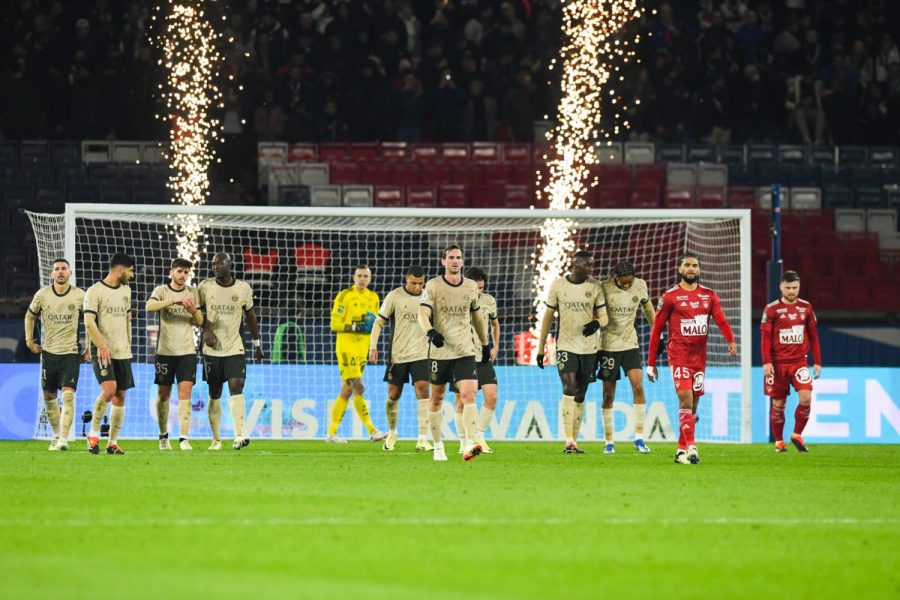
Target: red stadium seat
{"points": [[303, 153], [613, 176], [486, 197], [262, 262], [468, 175], [364, 151], [601, 197], [344, 172], [332, 152], [455, 153], [517, 153], [541, 153], [741, 197], [404, 173], [650, 175], [435, 174], [522, 174], [374, 173], [884, 294], [390, 195], [394, 151], [485, 152], [818, 220], [711, 198], [679, 198], [422, 196], [495, 174], [518, 196], [424, 153], [453, 196], [645, 197]]}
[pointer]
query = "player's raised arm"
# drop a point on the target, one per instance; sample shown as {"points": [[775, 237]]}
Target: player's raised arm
{"points": [[719, 315]]}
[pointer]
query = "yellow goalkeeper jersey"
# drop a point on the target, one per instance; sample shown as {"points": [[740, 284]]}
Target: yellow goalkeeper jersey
{"points": [[350, 308]]}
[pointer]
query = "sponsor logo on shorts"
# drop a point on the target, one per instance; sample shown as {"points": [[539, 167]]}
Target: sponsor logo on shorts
{"points": [[698, 381], [802, 375]]}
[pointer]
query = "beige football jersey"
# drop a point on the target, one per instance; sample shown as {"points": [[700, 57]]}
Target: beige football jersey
{"points": [[451, 315], [176, 325], [487, 304], [401, 310], [623, 306], [59, 318], [224, 307], [575, 303], [111, 306]]}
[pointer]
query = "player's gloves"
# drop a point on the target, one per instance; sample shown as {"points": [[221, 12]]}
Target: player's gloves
{"points": [[435, 338], [539, 359], [359, 328], [591, 328], [486, 352], [369, 321]]}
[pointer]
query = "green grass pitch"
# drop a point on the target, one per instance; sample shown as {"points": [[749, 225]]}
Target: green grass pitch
{"points": [[310, 520]]}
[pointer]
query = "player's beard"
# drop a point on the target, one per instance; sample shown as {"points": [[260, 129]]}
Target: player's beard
{"points": [[689, 278]]}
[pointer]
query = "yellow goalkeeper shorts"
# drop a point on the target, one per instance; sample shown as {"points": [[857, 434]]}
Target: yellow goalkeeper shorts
{"points": [[351, 365]]}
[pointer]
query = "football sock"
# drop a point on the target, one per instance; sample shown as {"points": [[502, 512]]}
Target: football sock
{"points": [[470, 422], [576, 422], [609, 416], [100, 406], [162, 415], [801, 416], [116, 419], [422, 414], [337, 414], [237, 414], [460, 425], [686, 428], [391, 410], [485, 416], [362, 409], [640, 412], [434, 422], [568, 410], [776, 421], [184, 418], [68, 414], [52, 407], [215, 417]]}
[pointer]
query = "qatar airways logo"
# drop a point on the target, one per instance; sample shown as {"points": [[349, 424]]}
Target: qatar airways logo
{"points": [[576, 306], [695, 327], [454, 311], [116, 311], [225, 309], [58, 319], [409, 317]]}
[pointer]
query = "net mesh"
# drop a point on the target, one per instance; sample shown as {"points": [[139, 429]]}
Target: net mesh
{"points": [[297, 263]]}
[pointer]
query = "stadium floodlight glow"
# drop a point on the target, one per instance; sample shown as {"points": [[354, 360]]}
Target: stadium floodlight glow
{"points": [[591, 55], [191, 60]]}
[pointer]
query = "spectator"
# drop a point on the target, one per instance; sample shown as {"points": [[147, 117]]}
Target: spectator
{"points": [[331, 126], [268, 119], [480, 116], [804, 100], [449, 104]]}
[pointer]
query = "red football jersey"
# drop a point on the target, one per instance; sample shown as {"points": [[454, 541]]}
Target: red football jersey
{"points": [[788, 332], [687, 312]]}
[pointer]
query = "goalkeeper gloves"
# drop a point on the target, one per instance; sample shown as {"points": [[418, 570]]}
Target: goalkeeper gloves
{"points": [[369, 321], [486, 352], [539, 359], [591, 328], [435, 338]]}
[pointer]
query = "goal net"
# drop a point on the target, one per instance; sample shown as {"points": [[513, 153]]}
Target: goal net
{"points": [[298, 259]]}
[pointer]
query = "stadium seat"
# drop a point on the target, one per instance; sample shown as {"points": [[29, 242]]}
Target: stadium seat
{"points": [[468, 175], [650, 176], [423, 196], [733, 156], [96, 151], [836, 195], [742, 176], [123, 152], [374, 173], [103, 172], [357, 195], [518, 196], [401, 173], [82, 193], [333, 152], [294, 195], [866, 176], [303, 152], [314, 174], [613, 176], [338, 173], [762, 154], [136, 172], [115, 193], [882, 156], [870, 198], [9, 152], [885, 294], [818, 221], [394, 151], [523, 174], [711, 197], [435, 174], [850, 156], [849, 220], [427, 153], [259, 266], [325, 195], [485, 152], [541, 152], [861, 259], [152, 153], [453, 196], [516, 153], [666, 153], [311, 261], [679, 198], [610, 153], [882, 222], [700, 153], [806, 176], [890, 177], [823, 157], [764, 198], [31, 150], [363, 151], [806, 198], [712, 176], [645, 196], [639, 153], [390, 195], [484, 196], [681, 175], [70, 173], [741, 197], [893, 197], [609, 197], [50, 197], [287, 174], [494, 174], [793, 155]]}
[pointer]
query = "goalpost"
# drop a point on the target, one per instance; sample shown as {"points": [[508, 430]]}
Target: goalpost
{"points": [[297, 260]]}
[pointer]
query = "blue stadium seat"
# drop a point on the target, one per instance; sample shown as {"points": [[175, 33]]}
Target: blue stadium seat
{"points": [[70, 173], [30, 150], [762, 154], [836, 195], [804, 175], [50, 197], [842, 177], [851, 155], [870, 197], [103, 172], [16, 195], [666, 153], [885, 156], [9, 152], [740, 175], [65, 152], [115, 193], [83, 193], [890, 176], [824, 157], [793, 155], [731, 155], [148, 194], [864, 176], [701, 153]]}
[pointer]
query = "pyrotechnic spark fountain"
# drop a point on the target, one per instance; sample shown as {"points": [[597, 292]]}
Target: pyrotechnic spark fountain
{"points": [[191, 61], [591, 57]]}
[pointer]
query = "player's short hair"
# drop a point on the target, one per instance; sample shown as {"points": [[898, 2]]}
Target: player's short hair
{"points": [[361, 266], [687, 255], [790, 276], [446, 250], [120, 259], [582, 254], [60, 260], [477, 274], [415, 271], [182, 263], [623, 269]]}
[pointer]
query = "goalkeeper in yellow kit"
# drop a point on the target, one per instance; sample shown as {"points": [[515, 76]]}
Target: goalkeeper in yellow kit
{"points": [[352, 317]]}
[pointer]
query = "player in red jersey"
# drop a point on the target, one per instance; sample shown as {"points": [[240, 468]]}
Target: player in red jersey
{"points": [[686, 309], [787, 334]]}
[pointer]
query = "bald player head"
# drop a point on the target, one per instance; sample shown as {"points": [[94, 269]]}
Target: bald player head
{"points": [[222, 265]]}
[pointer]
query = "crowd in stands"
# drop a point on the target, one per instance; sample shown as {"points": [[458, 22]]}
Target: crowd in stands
{"points": [[715, 71]]}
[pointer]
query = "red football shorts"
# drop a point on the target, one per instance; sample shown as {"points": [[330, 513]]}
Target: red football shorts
{"points": [[796, 374], [689, 379]]}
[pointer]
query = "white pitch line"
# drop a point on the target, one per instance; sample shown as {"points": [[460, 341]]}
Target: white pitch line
{"points": [[451, 521]]}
